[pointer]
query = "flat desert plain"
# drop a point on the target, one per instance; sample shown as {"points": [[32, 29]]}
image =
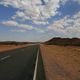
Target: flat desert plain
{"points": [[9, 47], [61, 62]]}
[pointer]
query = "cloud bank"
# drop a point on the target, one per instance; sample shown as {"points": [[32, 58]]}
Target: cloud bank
{"points": [[16, 24], [26, 27], [67, 26], [39, 12], [33, 10]]}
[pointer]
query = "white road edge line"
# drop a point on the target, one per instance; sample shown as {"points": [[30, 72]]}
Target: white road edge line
{"points": [[5, 57], [36, 65]]}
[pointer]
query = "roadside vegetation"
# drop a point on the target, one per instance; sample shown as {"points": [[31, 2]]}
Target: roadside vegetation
{"points": [[12, 43]]}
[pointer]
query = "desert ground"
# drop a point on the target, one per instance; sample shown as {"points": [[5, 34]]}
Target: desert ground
{"points": [[61, 62], [9, 47]]}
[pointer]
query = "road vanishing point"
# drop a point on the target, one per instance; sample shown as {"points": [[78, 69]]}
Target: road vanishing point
{"points": [[22, 64]]}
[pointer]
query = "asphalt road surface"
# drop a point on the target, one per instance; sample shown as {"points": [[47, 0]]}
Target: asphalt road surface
{"points": [[19, 64]]}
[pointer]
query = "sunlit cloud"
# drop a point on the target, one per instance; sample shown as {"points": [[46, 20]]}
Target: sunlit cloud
{"points": [[21, 31], [33, 10], [40, 17], [22, 26], [16, 24], [67, 26]]}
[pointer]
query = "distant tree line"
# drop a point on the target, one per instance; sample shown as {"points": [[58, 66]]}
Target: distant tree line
{"points": [[12, 43]]}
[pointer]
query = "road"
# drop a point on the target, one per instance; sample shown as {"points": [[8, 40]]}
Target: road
{"points": [[20, 64]]}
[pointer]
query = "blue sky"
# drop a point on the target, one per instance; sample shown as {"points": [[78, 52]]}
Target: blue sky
{"points": [[39, 20]]}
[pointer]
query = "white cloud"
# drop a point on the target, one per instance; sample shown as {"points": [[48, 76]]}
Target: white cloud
{"points": [[16, 24], [18, 31], [33, 9], [67, 26], [21, 15], [10, 23], [74, 29], [21, 26], [58, 25], [41, 22], [25, 26]]}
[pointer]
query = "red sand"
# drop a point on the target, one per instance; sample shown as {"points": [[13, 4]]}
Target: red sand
{"points": [[9, 47], [61, 63]]}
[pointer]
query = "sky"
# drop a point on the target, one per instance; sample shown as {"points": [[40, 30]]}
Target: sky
{"points": [[39, 20]]}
